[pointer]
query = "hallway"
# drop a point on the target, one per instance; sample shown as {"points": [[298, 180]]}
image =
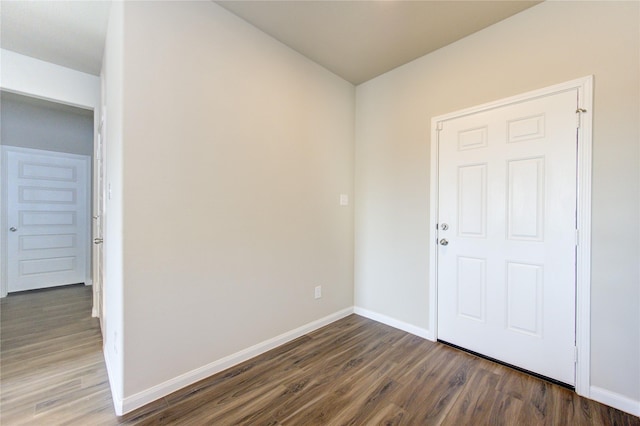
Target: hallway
{"points": [[53, 370]]}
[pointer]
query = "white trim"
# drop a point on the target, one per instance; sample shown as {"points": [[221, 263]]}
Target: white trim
{"points": [[149, 395], [392, 322], [583, 251], [4, 279], [433, 232], [4, 284], [584, 86], [37, 78], [115, 395], [579, 84], [615, 400]]}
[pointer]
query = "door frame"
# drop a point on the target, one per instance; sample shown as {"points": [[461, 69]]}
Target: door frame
{"points": [[584, 124], [5, 149], [97, 213]]}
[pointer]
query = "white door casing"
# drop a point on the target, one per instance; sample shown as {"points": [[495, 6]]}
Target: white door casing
{"points": [[508, 244], [47, 202], [98, 221]]}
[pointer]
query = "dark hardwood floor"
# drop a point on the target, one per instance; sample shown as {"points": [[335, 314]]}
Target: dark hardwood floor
{"points": [[352, 372]]}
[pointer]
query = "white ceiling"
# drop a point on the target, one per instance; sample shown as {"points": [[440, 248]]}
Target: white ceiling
{"points": [[357, 40], [67, 33]]}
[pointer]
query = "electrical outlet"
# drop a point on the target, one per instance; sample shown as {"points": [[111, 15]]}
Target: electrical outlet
{"points": [[318, 292]]}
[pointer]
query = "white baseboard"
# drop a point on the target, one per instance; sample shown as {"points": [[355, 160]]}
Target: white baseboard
{"points": [[392, 322], [115, 395], [615, 400], [140, 399]]}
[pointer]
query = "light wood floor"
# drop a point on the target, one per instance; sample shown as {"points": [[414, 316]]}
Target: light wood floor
{"points": [[352, 372], [52, 369]]}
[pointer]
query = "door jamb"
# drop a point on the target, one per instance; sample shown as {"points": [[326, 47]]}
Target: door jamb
{"points": [[97, 310], [584, 87]]}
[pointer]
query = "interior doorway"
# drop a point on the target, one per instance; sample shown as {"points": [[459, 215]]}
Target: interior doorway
{"points": [[46, 130]]}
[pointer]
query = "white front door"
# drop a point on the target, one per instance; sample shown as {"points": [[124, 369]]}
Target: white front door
{"points": [[507, 233], [47, 217]]}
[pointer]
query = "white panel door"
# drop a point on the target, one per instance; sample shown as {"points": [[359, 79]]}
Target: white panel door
{"points": [[47, 216], [507, 221]]}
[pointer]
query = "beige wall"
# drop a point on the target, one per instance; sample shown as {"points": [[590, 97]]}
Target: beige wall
{"points": [[235, 152], [551, 43]]}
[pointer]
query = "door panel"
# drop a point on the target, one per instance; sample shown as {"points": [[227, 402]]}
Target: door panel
{"points": [[472, 200], [48, 219], [472, 281], [525, 202], [524, 298], [507, 208]]}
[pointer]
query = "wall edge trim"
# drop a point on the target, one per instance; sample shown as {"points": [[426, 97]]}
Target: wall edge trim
{"points": [[395, 323], [118, 403]]}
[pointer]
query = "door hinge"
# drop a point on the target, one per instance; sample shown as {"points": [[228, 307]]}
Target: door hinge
{"points": [[579, 113], [439, 126]]}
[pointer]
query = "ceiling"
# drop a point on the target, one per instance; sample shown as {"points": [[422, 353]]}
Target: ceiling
{"points": [[67, 33], [357, 40]]}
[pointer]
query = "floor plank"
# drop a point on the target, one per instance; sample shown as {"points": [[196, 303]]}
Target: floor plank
{"points": [[352, 372]]}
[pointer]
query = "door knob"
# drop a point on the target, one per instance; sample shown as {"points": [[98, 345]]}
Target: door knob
{"points": [[13, 229], [444, 242], [97, 240], [444, 226]]}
